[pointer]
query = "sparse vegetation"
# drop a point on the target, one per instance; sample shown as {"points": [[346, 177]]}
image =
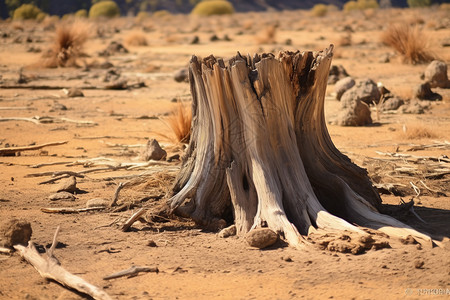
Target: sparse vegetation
{"points": [[68, 45], [213, 7], [161, 13], [319, 10], [418, 3], [180, 122], [136, 38], [27, 12], [409, 41], [106, 9], [417, 132], [360, 5], [82, 13], [268, 35]]}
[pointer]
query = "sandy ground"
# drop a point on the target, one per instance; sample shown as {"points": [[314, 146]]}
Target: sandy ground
{"points": [[194, 264]]}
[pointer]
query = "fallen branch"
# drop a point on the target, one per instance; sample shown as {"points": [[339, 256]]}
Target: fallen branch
{"points": [[50, 164], [4, 250], [13, 150], [47, 120], [116, 194], [133, 271], [70, 210], [20, 119], [49, 268], [18, 108], [133, 219]]}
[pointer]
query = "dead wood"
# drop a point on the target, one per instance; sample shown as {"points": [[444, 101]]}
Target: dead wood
{"points": [[133, 219], [131, 272], [70, 210], [260, 150], [48, 120], [50, 268], [18, 108], [14, 150], [116, 194]]}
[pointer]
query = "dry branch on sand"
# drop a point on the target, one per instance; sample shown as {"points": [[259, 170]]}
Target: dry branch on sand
{"points": [[14, 150], [50, 268], [409, 41], [260, 150]]}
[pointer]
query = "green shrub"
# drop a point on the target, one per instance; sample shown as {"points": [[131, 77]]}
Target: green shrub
{"points": [[41, 16], [108, 9], [26, 12], [361, 5], [213, 7], [350, 5], [82, 13], [419, 3], [161, 13], [319, 10]]}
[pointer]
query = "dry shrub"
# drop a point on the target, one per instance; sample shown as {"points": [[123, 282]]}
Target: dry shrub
{"points": [[267, 36], [417, 132], [180, 122], [67, 46], [345, 40], [136, 39], [409, 41]]}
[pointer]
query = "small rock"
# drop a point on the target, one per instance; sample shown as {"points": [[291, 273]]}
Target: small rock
{"points": [[354, 113], [418, 264], [120, 84], [74, 92], [365, 90], [214, 38], [182, 75], [61, 196], [151, 243], [288, 42], [227, 38], [195, 40], [287, 259], [153, 151], [391, 103], [261, 237], [58, 106], [336, 73], [226, 232], [423, 92], [113, 48], [342, 86], [436, 74], [67, 185], [174, 157], [15, 231], [97, 202], [414, 107], [385, 58], [409, 240]]}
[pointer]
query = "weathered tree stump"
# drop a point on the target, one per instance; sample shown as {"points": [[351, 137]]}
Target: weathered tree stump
{"points": [[260, 153]]}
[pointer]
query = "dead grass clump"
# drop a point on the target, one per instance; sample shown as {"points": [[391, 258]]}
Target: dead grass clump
{"points": [[180, 122], [417, 132], [267, 36], [409, 41], [136, 39], [67, 46]]}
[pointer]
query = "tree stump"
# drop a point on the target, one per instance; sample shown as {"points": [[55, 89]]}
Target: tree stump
{"points": [[260, 154]]}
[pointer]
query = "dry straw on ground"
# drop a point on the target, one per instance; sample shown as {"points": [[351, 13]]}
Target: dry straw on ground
{"points": [[136, 39], [268, 35], [67, 46], [409, 41], [179, 122], [417, 132]]}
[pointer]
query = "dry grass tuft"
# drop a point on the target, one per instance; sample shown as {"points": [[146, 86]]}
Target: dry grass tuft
{"points": [[417, 132], [409, 41], [67, 46], [136, 39], [180, 122], [268, 35]]}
